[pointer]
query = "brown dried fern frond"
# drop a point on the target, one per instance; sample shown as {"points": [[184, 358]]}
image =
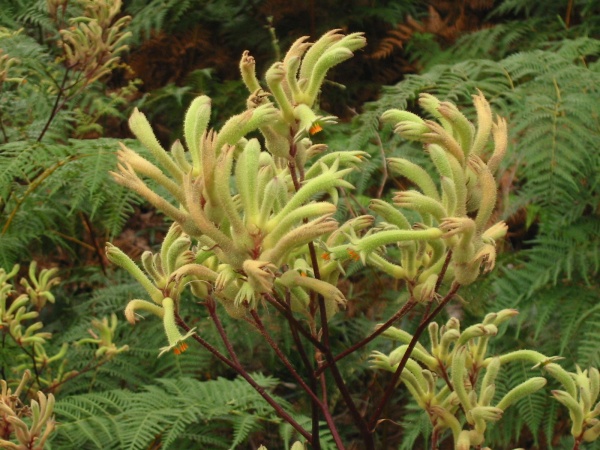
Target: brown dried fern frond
{"points": [[166, 58]]}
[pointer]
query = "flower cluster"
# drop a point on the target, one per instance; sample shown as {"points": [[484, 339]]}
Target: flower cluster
{"points": [[92, 42], [244, 216], [581, 397], [444, 380], [16, 315], [454, 213], [32, 435], [21, 329], [5, 63]]}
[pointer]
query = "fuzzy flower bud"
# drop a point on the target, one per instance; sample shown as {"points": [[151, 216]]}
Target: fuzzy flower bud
{"points": [[140, 126], [420, 203], [522, 390], [274, 77], [116, 256], [334, 299], [248, 71], [194, 126], [484, 123], [394, 116], [416, 174], [299, 236]]}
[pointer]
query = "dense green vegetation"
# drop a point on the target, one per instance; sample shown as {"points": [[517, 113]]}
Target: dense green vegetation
{"points": [[71, 75]]}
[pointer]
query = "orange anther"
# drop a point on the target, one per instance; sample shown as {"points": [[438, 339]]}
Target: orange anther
{"points": [[353, 255], [180, 348], [315, 128]]}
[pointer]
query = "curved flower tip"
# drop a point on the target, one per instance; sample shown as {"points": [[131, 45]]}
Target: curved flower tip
{"points": [[135, 304]]}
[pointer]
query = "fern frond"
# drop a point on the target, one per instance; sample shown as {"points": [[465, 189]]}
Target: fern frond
{"points": [[163, 412]]}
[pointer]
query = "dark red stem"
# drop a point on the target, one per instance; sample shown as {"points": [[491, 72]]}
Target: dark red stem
{"points": [[413, 342]]}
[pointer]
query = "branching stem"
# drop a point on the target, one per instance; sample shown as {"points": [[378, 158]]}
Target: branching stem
{"points": [[406, 308], [246, 376], [413, 342], [322, 405]]}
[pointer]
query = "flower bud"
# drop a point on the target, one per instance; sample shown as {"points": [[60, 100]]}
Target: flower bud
{"points": [[179, 155], [425, 292], [413, 131], [394, 116], [500, 133], [449, 420], [370, 243], [458, 377], [563, 377], [448, 337], [475, 331], [487, 395], [522, 390], [334, 299], [248, 71], [486, 413], [332, 178], [140, 126], [299, 236], [274, 77], [438, 135], [116, 256], [316, 50], [449, 199], [390, 214], [460, 124], [238, 126], [575, 411], [594, 383], [416, 174], [484, 123], [194, 126], [592, 433], [501, 316], [420, 203]]}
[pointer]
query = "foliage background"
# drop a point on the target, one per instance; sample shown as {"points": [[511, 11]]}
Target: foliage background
{"points": [[538, 65]]}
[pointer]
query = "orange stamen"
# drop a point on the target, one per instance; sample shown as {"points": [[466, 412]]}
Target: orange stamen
{"points": [[326, 256], [315, 128], [353, 255], [180, 348]]}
